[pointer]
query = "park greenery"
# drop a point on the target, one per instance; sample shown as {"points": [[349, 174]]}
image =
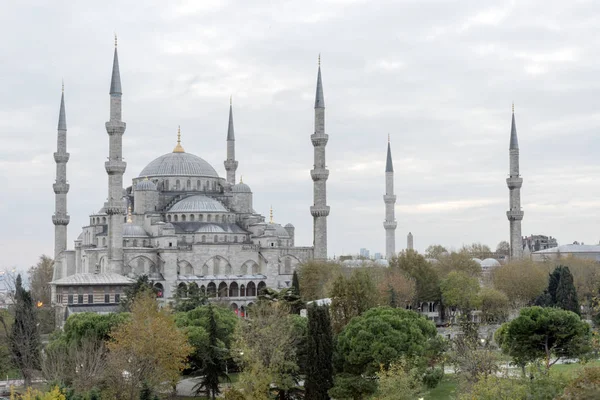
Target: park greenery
{"points": [[502, 334]]}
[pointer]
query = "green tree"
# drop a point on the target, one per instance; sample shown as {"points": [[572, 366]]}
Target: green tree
{"points": [[585, 386], [435, 251], [478, 250], [319, 363], [24, 338], [503, 248], [40, 276], [191, 299], [566, 295], [90, 325], [460, 292], [296, 283], [6, 321], [547, 334], [459, 262], [350, 297], [316, 279], [522, 281], [214, 360], [142, 285], [399, 382], [494, 305]]}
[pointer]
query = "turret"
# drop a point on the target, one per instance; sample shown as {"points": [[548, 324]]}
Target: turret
{"points": [[61, 219], [514, 183], [115, 167], [319, 210], [230, 163], [389, 199], [409, 242]]}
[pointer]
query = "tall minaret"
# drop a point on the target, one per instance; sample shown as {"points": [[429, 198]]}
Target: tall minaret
{"points": [[319, 210], [115, 167], [514, 182], [410, 242], [61, 187], [390, 200], [230, 163]]}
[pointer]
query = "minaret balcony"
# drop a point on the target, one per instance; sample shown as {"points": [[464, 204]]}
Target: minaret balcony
{"points": [[319, 174], [115, 167], [515, 215], [61, 157], [114, 209], [231, 165], [319, 140], [319, 211], [389, 198], [61, 219], [390, 224], [60, 188], [514, 182], [115, 127]]}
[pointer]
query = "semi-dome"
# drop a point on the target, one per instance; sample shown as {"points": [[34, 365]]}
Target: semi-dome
{"points": [[241, 188], [210, 228], [145, 185], [279, 230], [131, 230], [198, 203], [289, 225], [179, 164]]}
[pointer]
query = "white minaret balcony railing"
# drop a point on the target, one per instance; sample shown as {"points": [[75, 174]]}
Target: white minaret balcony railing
{"points": [[514, 182], [390, 224], [61, 157], [319, 139], [60, 188], [319, 174], [515, 215], [319, 211], [389, 198]]}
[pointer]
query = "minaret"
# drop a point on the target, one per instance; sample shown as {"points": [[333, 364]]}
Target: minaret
{"points": [[115, 167], [390, 200], [319, 210], [61, 187], [514, 182], [409, 242], [230, 163]]}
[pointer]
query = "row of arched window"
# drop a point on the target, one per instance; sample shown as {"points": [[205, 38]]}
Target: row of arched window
{"points": [[201, 218], [232, 289], [188, 185]]}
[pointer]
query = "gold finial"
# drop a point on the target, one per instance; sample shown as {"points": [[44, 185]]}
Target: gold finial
{"points": [[145, 178], [319, 59], [129, 220], [513, 107], [241, 178], [271, 215], [178, 148], [115, 40], [388, 137]]}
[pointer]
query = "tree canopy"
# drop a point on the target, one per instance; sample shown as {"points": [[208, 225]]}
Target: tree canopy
{"points": [[522, 281]]}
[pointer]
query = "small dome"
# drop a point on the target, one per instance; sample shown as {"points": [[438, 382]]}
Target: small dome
{"points": [[131, 230], [241, 188], [489, 263], [477, 260], [145, 185], [198, 203], [289, 225], [277, 230], [210, 228], [179, 164]]}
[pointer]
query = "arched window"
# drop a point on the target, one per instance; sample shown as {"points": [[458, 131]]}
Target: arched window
{"points": [[244, 269], [226, 238], [104, 220], [216, 265], [261, 286], [223, 292], [188, 270], [242, 290], [177, 185], [202, 290], [182, 290], [160, 290], [251, 289], [166, 184], [204, 270], [183, 217], [208, 218], [228, 269], [203, 238], [134, 242], [234, 290], [169, 218], [200, 217], [189, 185], [234, 308], [288, 265], [175, 218], [193, 289], [192, 217], [235, 239], [103, 241], [211, 290], [198, 185], [255, 269]]}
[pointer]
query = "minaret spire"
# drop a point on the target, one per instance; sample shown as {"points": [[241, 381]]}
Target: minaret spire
{"points": [[230, 163], [319, 210], [115, 168], [514, 183], [389, 199], [61, 219]]}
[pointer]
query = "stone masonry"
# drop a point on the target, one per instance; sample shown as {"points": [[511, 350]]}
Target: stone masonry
{"points": [[514, 182], [60, 219], [390, 200]]}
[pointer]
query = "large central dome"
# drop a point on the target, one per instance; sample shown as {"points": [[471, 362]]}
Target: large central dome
{"points": [[179, 164]]}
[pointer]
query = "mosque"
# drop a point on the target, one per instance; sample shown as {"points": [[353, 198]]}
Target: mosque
{"points": [[180, 223]]}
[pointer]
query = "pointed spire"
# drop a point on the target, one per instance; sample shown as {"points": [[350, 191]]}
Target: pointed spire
{"points": [[115, 81], [230, 132], [178, 148], [319, 100], [62, 119], [514, 142], [389, 166]]}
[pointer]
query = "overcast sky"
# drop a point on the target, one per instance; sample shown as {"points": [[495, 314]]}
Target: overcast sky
{"points": [[438, 76]]}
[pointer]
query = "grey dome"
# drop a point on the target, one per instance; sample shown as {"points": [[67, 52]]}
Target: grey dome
{"points": [[179, 164], [278, 230], [131, 230], [289, 225], [210, 228], [145, 185], [241, 188], [490, 262], [198, 203]]}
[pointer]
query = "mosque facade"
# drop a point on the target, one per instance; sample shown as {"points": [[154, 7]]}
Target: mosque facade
{"points": [[179, 223]]}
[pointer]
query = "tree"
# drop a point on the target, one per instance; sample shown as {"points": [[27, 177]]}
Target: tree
{"points": [[296, 283], [522, 281], [503, 248], [91, 325], [214, 360], [560, 292], [426, 280], [40, 276], [350, 297], [494, 305], [189, 300], [399, 382], [148, 348], [316, 279], [395, 287], [460, 292], [142, 286], [586, 385], [319, 363], [460, 262], [266, 347], [435, 251], [24, 338], [6, 321], [547, 334], [478, 250]]}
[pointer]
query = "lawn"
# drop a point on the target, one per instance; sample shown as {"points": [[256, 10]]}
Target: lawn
{"points": [[444, 391]]}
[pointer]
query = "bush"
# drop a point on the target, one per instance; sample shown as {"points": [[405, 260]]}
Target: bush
{"points": [[433, 377]]}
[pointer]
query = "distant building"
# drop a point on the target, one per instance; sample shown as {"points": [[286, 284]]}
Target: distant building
{"points": [[539, 242], [377, 256], [585, 251], [364, 253]]}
